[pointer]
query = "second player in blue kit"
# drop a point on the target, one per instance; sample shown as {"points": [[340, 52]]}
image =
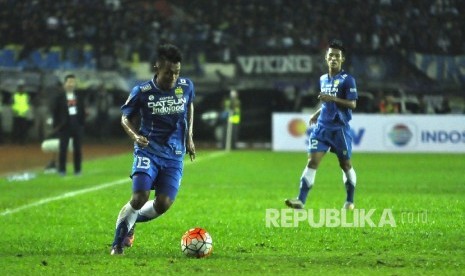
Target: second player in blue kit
{"points": [[338, 95]]}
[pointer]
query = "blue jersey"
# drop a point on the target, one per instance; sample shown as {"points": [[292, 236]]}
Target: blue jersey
{"points": [[163, 116], [342, 86]]}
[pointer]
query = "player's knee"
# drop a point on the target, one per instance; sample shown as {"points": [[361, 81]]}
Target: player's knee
{"points": [[162, 204], [137, 203], [162, 208], [139, 199], [312, 164], [345, 165]]}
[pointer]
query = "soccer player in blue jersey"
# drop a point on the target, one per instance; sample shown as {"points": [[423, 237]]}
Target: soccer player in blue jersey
{"points": [[165, 107], [338, 95]]}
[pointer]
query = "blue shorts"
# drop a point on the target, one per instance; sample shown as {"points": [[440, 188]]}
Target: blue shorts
{"points": [[338, 141], [165, 173]]}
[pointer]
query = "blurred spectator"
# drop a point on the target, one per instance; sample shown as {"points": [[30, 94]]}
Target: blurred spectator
{"points": [[6, 116], [2, 135], [388, 105], [424, 106], [444, 108], [22, 116], [231, 118], [103, 102], [378, 101], [68, 121], [41, 112]]}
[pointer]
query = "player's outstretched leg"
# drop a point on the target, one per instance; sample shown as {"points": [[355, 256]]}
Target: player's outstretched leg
{"points": [[129, 239], [306, 184], [350, 179], [126, 219], [146, 213], [117, 250]]}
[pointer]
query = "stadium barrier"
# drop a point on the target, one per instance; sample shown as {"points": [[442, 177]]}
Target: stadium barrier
{"points": [[379, 133]]}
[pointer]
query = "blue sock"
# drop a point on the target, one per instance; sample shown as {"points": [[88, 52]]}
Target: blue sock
{"points": [[350, 189], [303, 193], [120, 233]]}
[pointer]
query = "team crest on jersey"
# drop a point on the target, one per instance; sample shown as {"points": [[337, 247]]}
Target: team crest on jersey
{"points": [[151, 97], [336, 82], [183, 82], [146, 87], [178, 92]]}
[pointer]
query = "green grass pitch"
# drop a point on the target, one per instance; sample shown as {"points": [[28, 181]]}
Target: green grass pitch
{"points": [[64, 226]]}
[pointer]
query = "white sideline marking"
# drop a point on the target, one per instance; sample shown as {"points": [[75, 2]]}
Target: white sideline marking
{"points": [[88, 190], [63, 196]]}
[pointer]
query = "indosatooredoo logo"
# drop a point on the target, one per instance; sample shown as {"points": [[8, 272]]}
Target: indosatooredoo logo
{"points": [[400, 135]]}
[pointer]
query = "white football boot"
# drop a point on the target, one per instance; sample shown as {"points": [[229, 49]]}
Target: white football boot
{"points": [[348, 206]]}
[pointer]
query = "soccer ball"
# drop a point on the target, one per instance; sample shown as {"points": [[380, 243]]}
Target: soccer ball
{"points": [[196, 242]]}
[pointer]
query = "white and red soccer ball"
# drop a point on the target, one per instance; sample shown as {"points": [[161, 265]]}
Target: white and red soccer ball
{"points": [[197, 242]]}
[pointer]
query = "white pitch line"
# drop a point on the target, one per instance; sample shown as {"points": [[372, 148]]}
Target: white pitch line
{"points": [[87, 190], [63, 196]]}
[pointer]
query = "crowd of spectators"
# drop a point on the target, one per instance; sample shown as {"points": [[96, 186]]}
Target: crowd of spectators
{"points": [[217, 30]]}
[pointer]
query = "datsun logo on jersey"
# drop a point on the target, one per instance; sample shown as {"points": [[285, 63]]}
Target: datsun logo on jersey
{"points": [[167, 105]]}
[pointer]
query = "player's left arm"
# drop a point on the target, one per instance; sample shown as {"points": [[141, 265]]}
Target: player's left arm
{"points": [[352, 104], [190, 132], [350, 95]]}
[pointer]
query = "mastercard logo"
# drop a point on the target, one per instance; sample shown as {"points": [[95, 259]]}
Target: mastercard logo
{"points": [[297, 127]]}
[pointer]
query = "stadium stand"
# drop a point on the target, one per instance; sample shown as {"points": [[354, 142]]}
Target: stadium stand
{"points": [[46, 36], [124, 27]]}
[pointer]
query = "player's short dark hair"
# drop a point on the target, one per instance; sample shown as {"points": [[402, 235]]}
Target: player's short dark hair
{"points": [[169, 52], [69, 76], [337, 44]]}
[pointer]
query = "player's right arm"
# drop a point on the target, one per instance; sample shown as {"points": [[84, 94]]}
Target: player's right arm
{"points": [[130, 129], [314, 117], [129, 108]]}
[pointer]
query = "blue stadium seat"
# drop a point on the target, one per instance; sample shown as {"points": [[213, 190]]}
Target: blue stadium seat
{"points": [[36, 59], [7, 58], [53, 58], [70, 58], [89, 60]]}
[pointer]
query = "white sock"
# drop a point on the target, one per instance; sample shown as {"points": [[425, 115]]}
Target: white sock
{"points": [[148, 210], [350, 175], [127, 214], [309, 176]]}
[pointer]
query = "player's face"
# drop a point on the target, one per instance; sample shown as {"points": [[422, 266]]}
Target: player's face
{"points": [[334, 59], [70, 84], [167, 74]]}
